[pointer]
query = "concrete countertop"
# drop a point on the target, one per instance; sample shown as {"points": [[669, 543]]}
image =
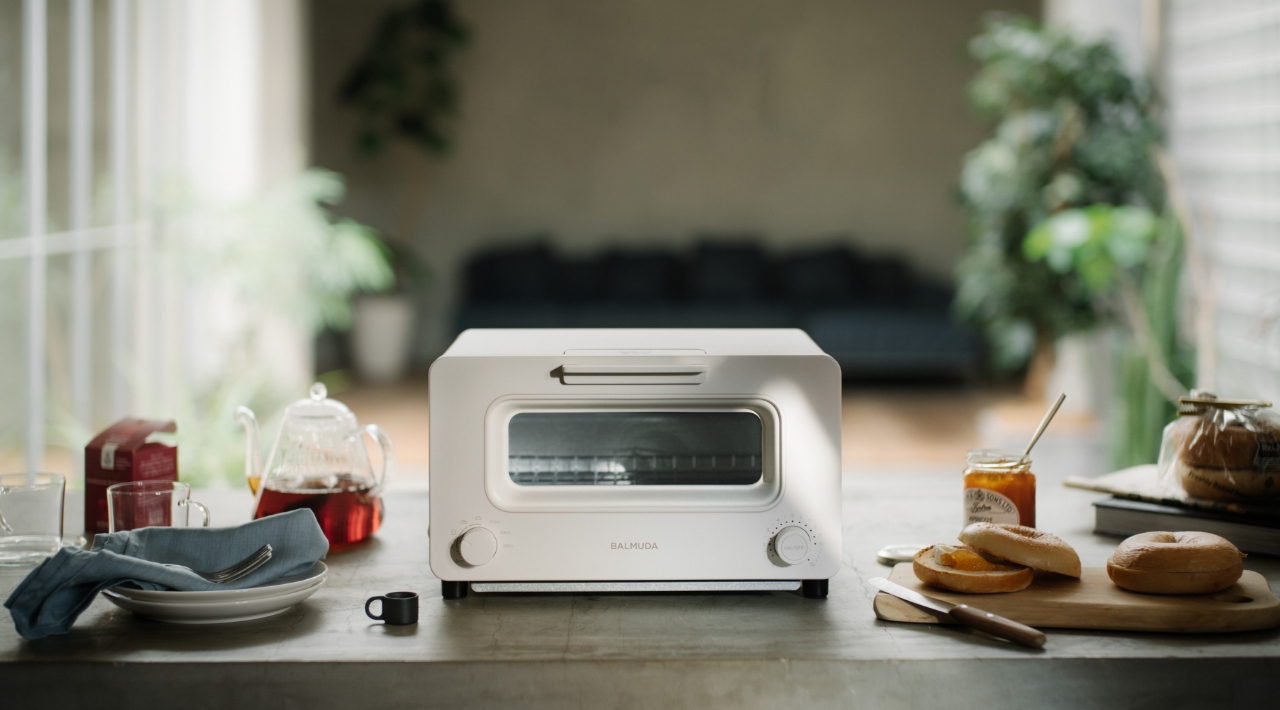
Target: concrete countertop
{"points": [[638, 650]]}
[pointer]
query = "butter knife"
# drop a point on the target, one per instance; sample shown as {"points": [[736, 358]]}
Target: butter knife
{"points": [[964, 614]]}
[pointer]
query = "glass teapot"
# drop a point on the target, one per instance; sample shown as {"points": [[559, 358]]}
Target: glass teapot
{"points": [[319, 462]]}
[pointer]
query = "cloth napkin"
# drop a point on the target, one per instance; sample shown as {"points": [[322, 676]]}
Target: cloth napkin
{"points": [[55, 593]]}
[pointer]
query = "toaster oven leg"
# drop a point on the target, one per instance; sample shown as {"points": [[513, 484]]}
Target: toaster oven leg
{"points": [[812, 588], [458, 590]]}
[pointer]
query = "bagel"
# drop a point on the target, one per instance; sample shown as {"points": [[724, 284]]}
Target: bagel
{"points": [[1226, 483], [996, 575], [1024, 546], [1175, 563], [1202, 443]]}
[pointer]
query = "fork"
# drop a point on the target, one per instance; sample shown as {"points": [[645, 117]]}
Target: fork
{"points": [[4, 524], [239, 570]]}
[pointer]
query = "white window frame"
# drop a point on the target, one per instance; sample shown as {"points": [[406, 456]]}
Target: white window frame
{"points": [[82, 239], [187, 104]]}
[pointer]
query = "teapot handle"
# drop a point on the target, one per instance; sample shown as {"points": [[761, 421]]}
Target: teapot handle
{"points": [[388, 457]]}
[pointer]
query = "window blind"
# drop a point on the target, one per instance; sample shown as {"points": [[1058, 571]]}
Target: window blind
{"points": [[1222, 59]]}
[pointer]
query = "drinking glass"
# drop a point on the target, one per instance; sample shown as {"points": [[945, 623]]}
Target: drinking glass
{"points": [[144, 504], [30, 517]]}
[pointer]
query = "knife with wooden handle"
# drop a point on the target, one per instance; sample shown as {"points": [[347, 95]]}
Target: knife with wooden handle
{"points": [[964, 614]]}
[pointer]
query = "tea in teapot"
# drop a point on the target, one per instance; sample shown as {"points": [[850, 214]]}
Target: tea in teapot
{"points": [[319, 462], [344, 507]]}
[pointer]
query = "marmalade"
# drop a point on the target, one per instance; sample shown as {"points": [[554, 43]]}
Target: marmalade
{"points": [[966, 560], [999, 487]]}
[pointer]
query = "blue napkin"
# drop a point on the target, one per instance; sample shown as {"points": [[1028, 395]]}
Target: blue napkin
{"points": [[55, 593]]}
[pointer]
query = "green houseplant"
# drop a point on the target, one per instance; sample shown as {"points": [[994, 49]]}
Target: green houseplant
{"points": [[403, 89], [401, 84], [1130, 261], [280, 257], [1069, 225]]}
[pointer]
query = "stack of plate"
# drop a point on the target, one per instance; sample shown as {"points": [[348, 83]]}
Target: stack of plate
{"points": [[220, 606]]}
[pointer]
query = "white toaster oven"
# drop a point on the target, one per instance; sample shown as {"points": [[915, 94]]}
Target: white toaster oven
{"points": [[598, 460]]}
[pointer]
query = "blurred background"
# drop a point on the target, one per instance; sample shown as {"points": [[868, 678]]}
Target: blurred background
{"points": [[968, 203]]}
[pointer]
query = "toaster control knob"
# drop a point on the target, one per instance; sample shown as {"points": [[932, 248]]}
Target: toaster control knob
{"points": [[477, 546], [791, 544]]}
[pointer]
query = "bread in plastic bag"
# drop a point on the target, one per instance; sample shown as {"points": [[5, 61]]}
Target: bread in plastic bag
{"points": [[1221, 450]]}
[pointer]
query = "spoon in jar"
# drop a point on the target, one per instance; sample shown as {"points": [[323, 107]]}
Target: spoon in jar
{"points": [[1044, 423]]}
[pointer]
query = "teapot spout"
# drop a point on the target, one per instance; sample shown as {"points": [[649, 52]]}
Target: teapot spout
{"points": [[252, 451]]}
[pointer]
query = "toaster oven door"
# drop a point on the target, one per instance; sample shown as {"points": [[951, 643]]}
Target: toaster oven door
{"points": [[601, 455]]}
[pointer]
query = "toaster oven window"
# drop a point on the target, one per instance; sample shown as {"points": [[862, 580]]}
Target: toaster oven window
{"points": [[635, 449]]}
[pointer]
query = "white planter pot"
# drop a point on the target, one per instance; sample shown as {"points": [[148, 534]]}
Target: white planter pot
{"points": [[381, 337], [1085, 370]]}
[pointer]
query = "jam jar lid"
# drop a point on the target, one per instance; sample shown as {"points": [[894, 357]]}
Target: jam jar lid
{"points": [[998, 460]]}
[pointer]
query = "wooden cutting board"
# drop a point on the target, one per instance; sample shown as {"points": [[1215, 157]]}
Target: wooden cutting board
{"points": [[1094, 602]]}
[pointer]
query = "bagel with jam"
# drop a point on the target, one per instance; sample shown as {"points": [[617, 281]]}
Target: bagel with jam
{"points": [[969, 570], [996, 557]]}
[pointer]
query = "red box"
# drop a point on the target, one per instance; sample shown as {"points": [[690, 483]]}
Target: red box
{"points": [[124, 452]]}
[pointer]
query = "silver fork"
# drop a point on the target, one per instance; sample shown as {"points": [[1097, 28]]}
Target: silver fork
{"points": [[239, 570]]}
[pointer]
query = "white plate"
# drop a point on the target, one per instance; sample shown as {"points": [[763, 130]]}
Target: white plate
{"points": [[312, 577], [213, 612], [181, 601]]}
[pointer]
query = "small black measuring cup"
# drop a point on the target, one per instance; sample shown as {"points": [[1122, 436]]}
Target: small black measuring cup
{"points": [[398, 608]]}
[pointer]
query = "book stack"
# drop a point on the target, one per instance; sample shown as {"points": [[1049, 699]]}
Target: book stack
{"points": [[1138, 504]]}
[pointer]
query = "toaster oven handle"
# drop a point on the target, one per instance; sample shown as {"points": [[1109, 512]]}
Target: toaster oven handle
{"points": [[631, 374]]}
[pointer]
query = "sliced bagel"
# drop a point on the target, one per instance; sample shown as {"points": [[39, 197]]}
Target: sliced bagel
{"points": [[1003, 576], [1227, 483], [1024, 546], [1203, 443]]}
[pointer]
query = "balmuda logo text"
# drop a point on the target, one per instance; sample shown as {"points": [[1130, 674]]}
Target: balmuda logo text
{"points": [[633, 546]]}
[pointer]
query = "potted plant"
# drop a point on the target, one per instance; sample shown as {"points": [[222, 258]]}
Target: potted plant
{"points": [[262, 274], [403, 89], [1069, 225]]}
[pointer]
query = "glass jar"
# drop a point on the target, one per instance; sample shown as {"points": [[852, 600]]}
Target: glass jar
{"points": [[999, 487]]}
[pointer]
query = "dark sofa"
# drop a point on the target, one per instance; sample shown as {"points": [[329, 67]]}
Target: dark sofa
{"points": [[872, 314]]}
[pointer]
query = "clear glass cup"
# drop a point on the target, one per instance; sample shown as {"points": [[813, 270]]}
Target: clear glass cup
{"points": [[144, 504], [30, 517]]}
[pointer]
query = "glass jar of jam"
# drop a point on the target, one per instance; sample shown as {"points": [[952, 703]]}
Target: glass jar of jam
{"points": [[999, 487]]}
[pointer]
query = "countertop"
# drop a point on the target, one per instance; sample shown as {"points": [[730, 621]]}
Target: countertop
{"points": [[638, 650]]}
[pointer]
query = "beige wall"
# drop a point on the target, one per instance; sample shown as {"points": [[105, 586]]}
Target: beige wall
{"points": [[656, 120]]}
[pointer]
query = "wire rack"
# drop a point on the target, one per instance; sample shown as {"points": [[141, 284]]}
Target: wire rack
{"points": [[636, 470]]}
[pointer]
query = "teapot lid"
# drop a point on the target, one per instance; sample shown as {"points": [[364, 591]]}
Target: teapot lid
{"points": [[318, 406]]}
